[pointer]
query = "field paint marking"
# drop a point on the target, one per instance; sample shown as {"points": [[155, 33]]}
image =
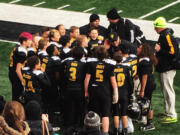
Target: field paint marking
{"points": [[90, 9], [35, 5], [14, 1], [64, 6], [120, 11], [7, 41], [174, 19], [160, 9]]}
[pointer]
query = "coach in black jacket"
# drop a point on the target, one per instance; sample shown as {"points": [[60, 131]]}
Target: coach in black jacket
{"points": [[124, 28], [165, 52], [94, 21]]}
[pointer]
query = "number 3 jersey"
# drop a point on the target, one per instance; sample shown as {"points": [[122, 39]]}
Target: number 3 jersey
{"points": [[74, 73]]}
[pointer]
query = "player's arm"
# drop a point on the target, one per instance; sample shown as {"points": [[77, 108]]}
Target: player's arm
{"points": [[115, 89], [143, 84], [86, 84], [18, 71]]}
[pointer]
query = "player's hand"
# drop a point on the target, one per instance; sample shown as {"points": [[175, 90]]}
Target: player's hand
{"points": [[157, 47], [115, 99], [141, 94]]}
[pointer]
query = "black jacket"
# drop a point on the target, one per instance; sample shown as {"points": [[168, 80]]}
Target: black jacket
{"points": [[167, 52], [84, 30], [127, 31]]}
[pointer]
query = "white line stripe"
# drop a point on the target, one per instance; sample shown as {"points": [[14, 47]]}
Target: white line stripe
{"points": [[90, 9], [120, 11], [174, 19], [63, 6], [14, 1], [160, 9], [7, 41], [35, 5]]}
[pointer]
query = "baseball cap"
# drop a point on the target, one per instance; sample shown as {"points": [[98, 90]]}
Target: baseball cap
{"points": [[93, 17], [113, 14], [160, 22], [113, 36], [92, 119], [26, 35]]}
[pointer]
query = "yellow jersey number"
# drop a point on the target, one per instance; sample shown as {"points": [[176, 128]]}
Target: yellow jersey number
{"points": [[28, 85], [72, 74], [134, 70], [99, 75], [120, 79]]}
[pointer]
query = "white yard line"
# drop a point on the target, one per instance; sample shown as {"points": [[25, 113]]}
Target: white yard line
{"points": [[35, 5], [160, 9], [90, 9], [120, 11], [7, 41], [174, 19], [63, 6], [14, 1]]}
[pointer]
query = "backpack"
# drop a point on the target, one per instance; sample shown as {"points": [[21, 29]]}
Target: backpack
{"points": [[176, 60]]}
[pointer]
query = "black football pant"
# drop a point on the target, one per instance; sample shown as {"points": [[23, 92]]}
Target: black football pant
{"points": [[17, 87], [74, 108]]}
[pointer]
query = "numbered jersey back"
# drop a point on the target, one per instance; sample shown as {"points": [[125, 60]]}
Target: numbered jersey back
{"points": [[100, 71]]}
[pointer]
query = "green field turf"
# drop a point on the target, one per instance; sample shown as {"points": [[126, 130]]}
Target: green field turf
{"points": [[131, 8], [161, 129]]}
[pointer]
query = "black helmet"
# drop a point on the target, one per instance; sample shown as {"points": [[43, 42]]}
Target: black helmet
{"points": [[144, 104], [134, 110]]}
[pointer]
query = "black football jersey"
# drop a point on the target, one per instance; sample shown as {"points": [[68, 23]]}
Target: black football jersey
{"points": [[35, 81], [18, 55], [43, 56], [31, 51], [74, 71], [92, 44], [100, 71], [133, 61], [145, 66], [123, 77], [65, 53]]}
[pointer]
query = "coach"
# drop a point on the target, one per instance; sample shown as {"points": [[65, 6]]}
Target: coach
{"points": [[165, 52]]}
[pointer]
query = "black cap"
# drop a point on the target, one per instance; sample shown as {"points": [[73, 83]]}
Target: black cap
{"points": [[93, 17], [113, 14], [113, 36]]}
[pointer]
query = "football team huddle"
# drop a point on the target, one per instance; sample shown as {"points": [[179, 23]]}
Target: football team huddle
{"points": [[93, 68]]}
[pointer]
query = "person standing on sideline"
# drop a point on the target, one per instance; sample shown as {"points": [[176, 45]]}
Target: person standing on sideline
{"points": [[165, 52]]}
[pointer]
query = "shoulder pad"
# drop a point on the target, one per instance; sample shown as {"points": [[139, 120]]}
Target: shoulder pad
{"points": [[109, 61], [66, 50], [26, 68], [133, 56], [83, 60], [44, 53], [92, 60], [125, 64], [145, 58], [56, 44], [37, 72], [85, 50], [55, 58], [22, 49], [69, 58]]}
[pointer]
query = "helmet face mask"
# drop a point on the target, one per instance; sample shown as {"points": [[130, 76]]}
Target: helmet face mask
{"points": [[144, 104], [134, 110], [138, 106]]}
